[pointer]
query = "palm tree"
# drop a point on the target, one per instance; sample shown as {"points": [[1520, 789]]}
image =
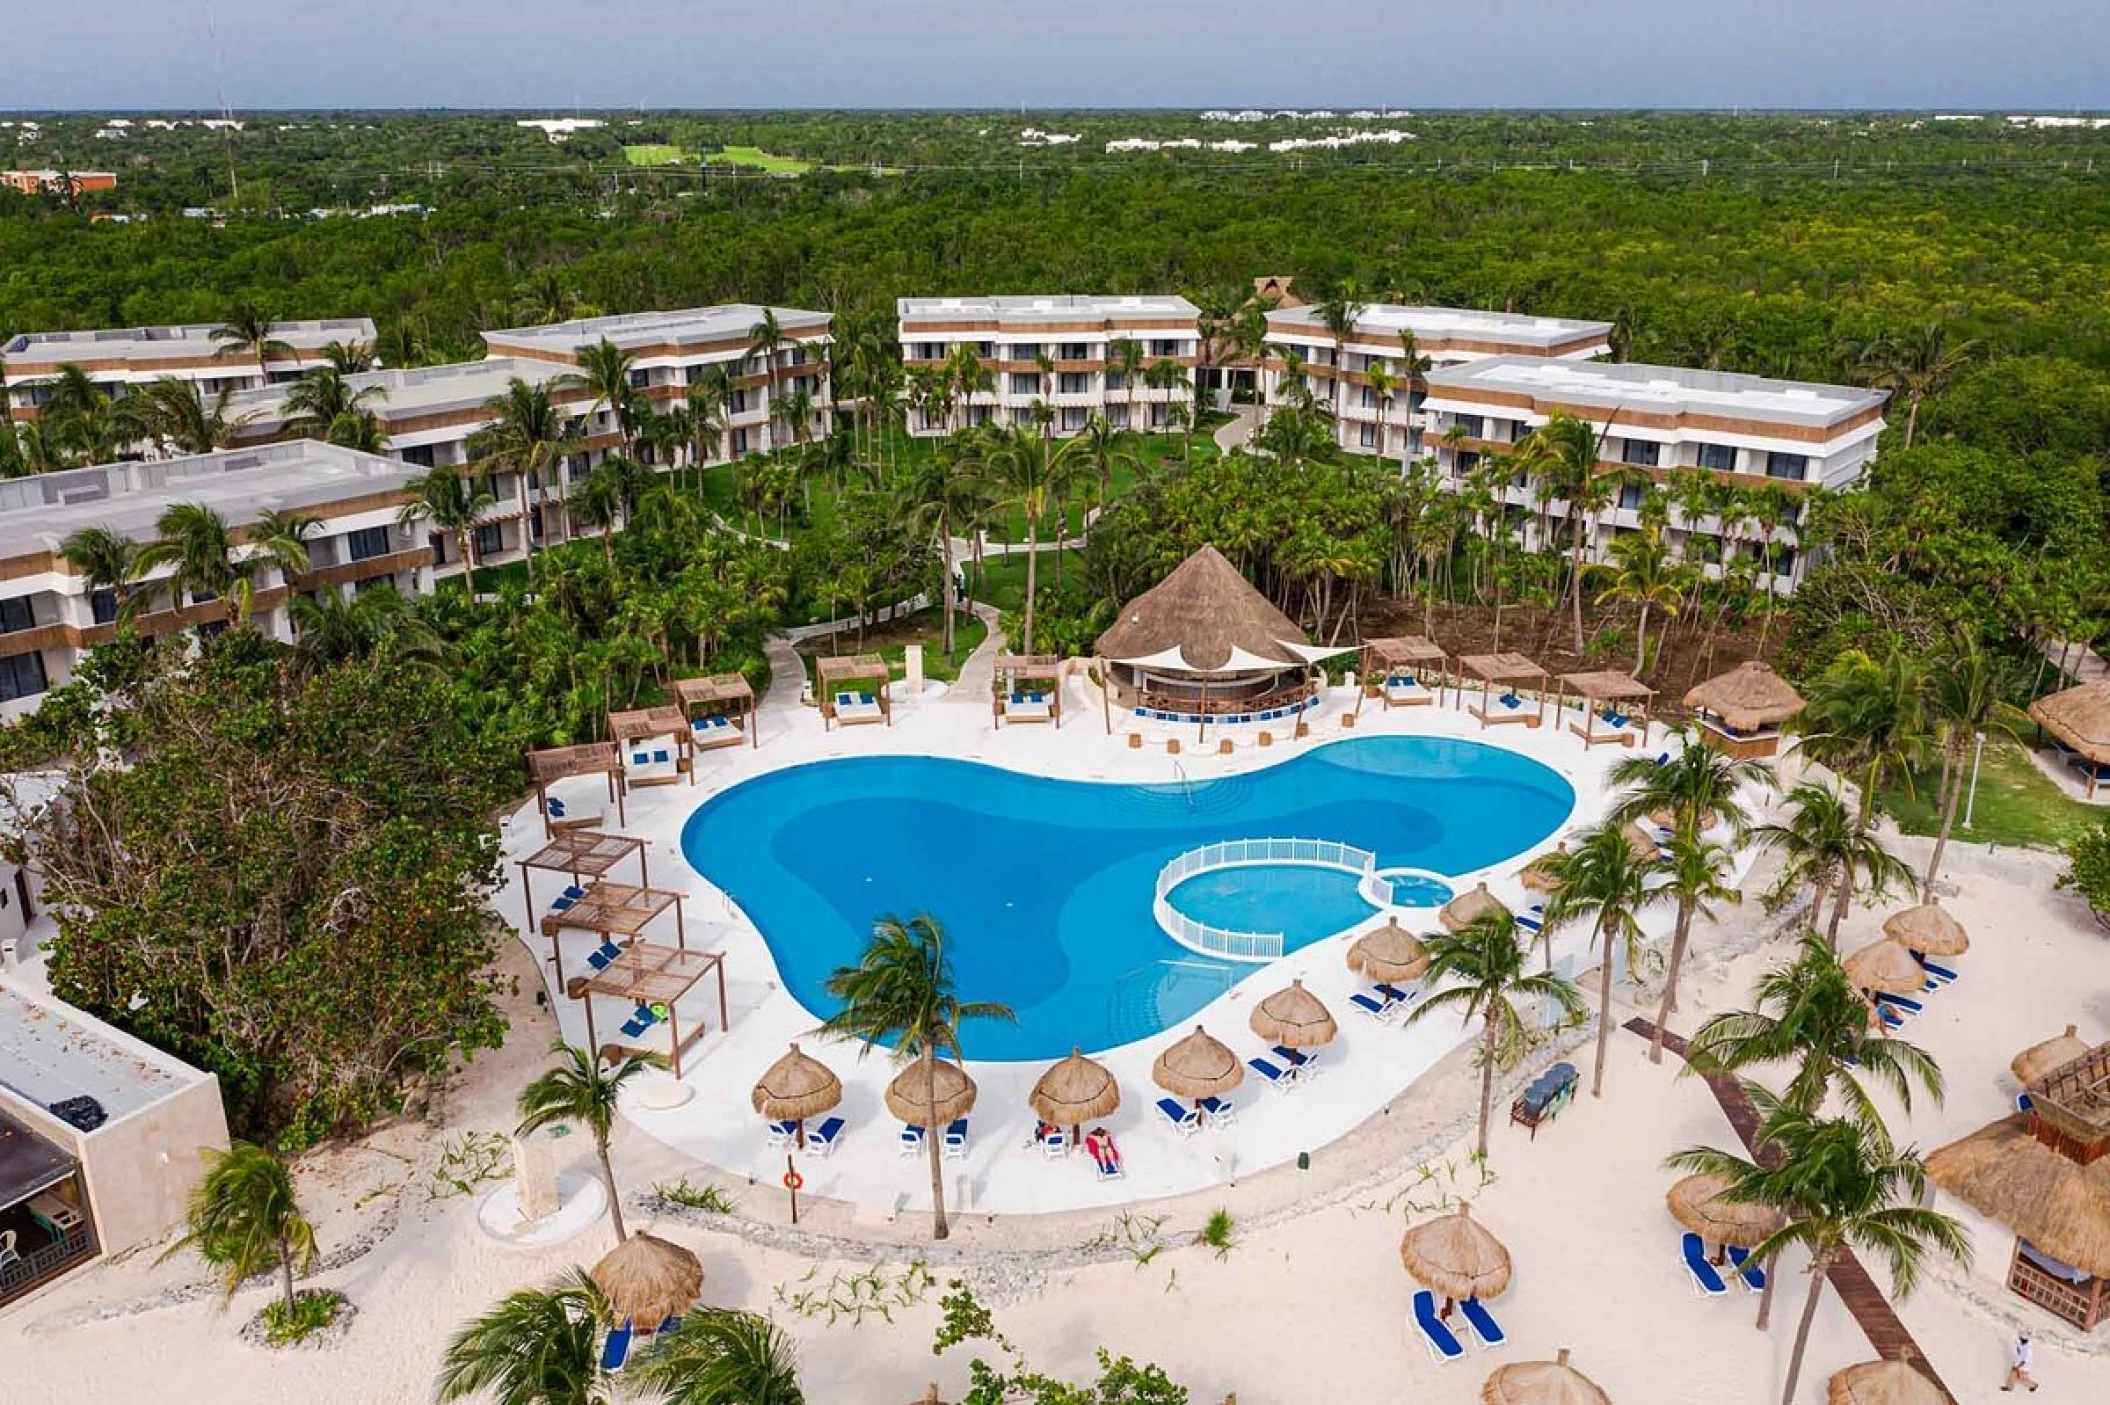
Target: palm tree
{"points": [[966, 377], [1915, 365], [538, 1346], [604, 372], [1340, 313], [1840, 1185], [529, 435], [1569, 451], [765, 341], [707, 400], [197, 543], [1823, 848], [1604, 880], [1809, 1015], [580, 1089], [722, 1357], [331, 627], [348, 358], [1479, 970], [1649, 576], [176, 412], [452, 503], [246, 331], [85, 419], [1034, 475], [1965, 697], [1124, 356], [324, 404], [944, 495], [1104, 449], [1867, 716], [1701, 876], [243, 1220], [104, 560], [902, 990], [599, 504]]}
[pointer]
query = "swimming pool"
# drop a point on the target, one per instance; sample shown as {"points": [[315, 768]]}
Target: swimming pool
{"points": [[1044, 887]]}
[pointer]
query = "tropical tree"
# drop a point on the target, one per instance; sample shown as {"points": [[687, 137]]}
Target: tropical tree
{"points": [[1823, 849], [1700, 876], [1033, 477], [1840, 1185], [945, 495], [1865, 716], [902, 991], [582, 1089], [198, 545], [1964, 694], [324, 404], [766, 340], [104, 560], [531, 436], [177, 413], [1479, 970], [604, 372], [1915, 364], [537, 1346], [1605, 881], [349, 358], [243, 1219], [1649, 576], [86, 420], [452, 502], [1340, 312], [1124, 357], [247, 331], [722, 1357], [331, 626], [599, 504], [1569, 451]]}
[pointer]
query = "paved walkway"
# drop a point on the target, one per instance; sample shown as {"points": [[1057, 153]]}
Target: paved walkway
{"points": [[1878, 1320], [2084, 663], [1245, 423], [978, 669]]}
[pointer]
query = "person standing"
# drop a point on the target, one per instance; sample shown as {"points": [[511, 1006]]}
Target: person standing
{"points": [[2018, 1368]]}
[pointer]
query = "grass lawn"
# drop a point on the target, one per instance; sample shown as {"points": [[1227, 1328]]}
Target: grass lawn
{"points": [[891, 640], [1002, 580], [653, 154], [2016, 804], [759, 159]]}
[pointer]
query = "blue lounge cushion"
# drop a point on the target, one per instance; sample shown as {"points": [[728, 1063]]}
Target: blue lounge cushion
{"points": [[616, 1350], [659, 756], [1705, 1274], [828, 1131], [1483, 1323], [639, 758], [556, 808], [1754, 1276], [1366, 1004], [1266, 1070], [1434, 1330]]}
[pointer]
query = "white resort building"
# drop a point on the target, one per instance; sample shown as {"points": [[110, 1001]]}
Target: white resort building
{"points": [[675, 350], [119, 360], [1130, 358], [1660, 423], [1381, 415], [49, 614]]}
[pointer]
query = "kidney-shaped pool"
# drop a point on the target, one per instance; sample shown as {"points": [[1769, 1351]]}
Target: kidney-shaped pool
{"points": [[1045, 887]]}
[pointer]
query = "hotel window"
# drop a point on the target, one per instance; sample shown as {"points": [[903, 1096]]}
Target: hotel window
{"points": [[736, 404], [1646, 452], [15, 614], [1795, 466], [22, 676], [1166, 348], [796, 355], [739, 441], [490, 540], [1367, 435], [1024, 351], [930, 351], [985, 349], [980, 414], [1369, 400], [1076, 351], [438, 542], [1117, 416], [366, 543], [1471, 426], [102, 604], [1631, 495], [1073, 419], [1466, 462], [1025, 382], [640, 379], [419, 455], [1074, 383], [1116, 380], [1721, 457]]}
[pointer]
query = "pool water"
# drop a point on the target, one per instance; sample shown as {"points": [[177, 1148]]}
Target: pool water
{"points": [[1304, 903], [1044, 887], [1417, 890]]}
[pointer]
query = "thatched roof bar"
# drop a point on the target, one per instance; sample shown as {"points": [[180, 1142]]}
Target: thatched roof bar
{"points": [[1747, 697], [2079, 717], [1205, 618]]}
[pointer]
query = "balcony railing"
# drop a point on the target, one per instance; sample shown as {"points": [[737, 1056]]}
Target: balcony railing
{"points": [[40, 1266]]}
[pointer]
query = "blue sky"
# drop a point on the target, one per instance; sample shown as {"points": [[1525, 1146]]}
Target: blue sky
{"points": [[2021, 55]]}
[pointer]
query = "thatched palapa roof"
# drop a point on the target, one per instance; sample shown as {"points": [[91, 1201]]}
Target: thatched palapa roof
{"points": [[909, 1096], [1747, 697], [1542, 874], [1542, 1383], [1886, 967], [1207, 618], [647, 1280], [1198, 1067], [1456, 1256], [2056, 1052], [1467, 908], [1882, 1383], [1391, 953], [1074, 1091], [1697, 1203], [2004, 1173], [796, 1087], [2079, 717], [1294, 1018], [1928, 930]]}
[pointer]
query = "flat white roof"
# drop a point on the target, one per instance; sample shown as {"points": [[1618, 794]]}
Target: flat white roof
{"points": [[406, 394], [1063, 307], [1656, 389], [632, 329], [1444, 323], [50, 1052], [169, 343], [39, 512]]}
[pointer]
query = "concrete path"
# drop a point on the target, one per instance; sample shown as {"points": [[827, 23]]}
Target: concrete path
{"points": [[2084, 663], [1245, 423], [978, 669]]}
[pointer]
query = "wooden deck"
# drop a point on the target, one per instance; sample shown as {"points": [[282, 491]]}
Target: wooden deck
{"points": [[1878, 1320]]}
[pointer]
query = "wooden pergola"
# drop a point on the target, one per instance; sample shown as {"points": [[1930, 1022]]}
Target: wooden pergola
{"points": [[581, 854], [1509, 668], [611, 911], [832, 673], [654, 978], [646, 724], [719, 708], [1607, 688], [1011, 701], [553, 764], [1412, 656]]}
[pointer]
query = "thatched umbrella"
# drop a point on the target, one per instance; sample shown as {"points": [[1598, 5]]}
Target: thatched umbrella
{"points": [[1456, 1256], [1462, 911], [1668, 818], [929, 1398], [1644, 845], [1927, 930], [1294, 1018], [2079, 717], [1882, 1383], [1541, 875], [647, 1280], [1885, 967], [1542, 1383], [926, 1082], [1391, 953], [1747, 697], [2004, 1173], [1697, 1203], [1074, 1092], [795, 1088], [2039, 1059], [1198, 1067]]}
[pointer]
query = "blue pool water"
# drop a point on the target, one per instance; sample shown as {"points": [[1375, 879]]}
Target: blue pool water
{"points": [[1304, 903], [1044, 887]]}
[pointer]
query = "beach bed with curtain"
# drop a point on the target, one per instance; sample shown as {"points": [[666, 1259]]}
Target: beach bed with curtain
{"points": [[655, 745], [1509, 670], [1026, 688], [546, 768], [1614, 707], [1399, 671], [853, 689], [720, 710]]}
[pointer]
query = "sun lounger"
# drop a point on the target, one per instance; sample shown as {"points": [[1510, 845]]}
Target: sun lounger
{"points": [[1219, 1112], [1533, 918], [1483, 1324], [1055, 1145], [1892, 1018], [782, 1133], [1943, 974], [1436, 1334], [2024, 1102], [1275, 1077], [1106, 1160], [911, 1139], [1185, 1120], [1382, 1011], [956, 1139], [1399, 994], [616, 1350], [1903, 1003], [1754, 1277], [822, 1139], [560, 903], [1706, 1279]]}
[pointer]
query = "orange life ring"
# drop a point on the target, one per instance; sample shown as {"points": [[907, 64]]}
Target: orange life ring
{"points": [[794, 1181]]}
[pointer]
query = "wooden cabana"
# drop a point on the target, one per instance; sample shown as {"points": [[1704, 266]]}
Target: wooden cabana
{"points": [[582, 854], [1740, 712], [2078, 723], [1601, 694], [720, 710], [1397, 671], [636, 734], [1026, 688], [553, 764], [1506, 668], [839, 705], [654, 979], [613, 911]]}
